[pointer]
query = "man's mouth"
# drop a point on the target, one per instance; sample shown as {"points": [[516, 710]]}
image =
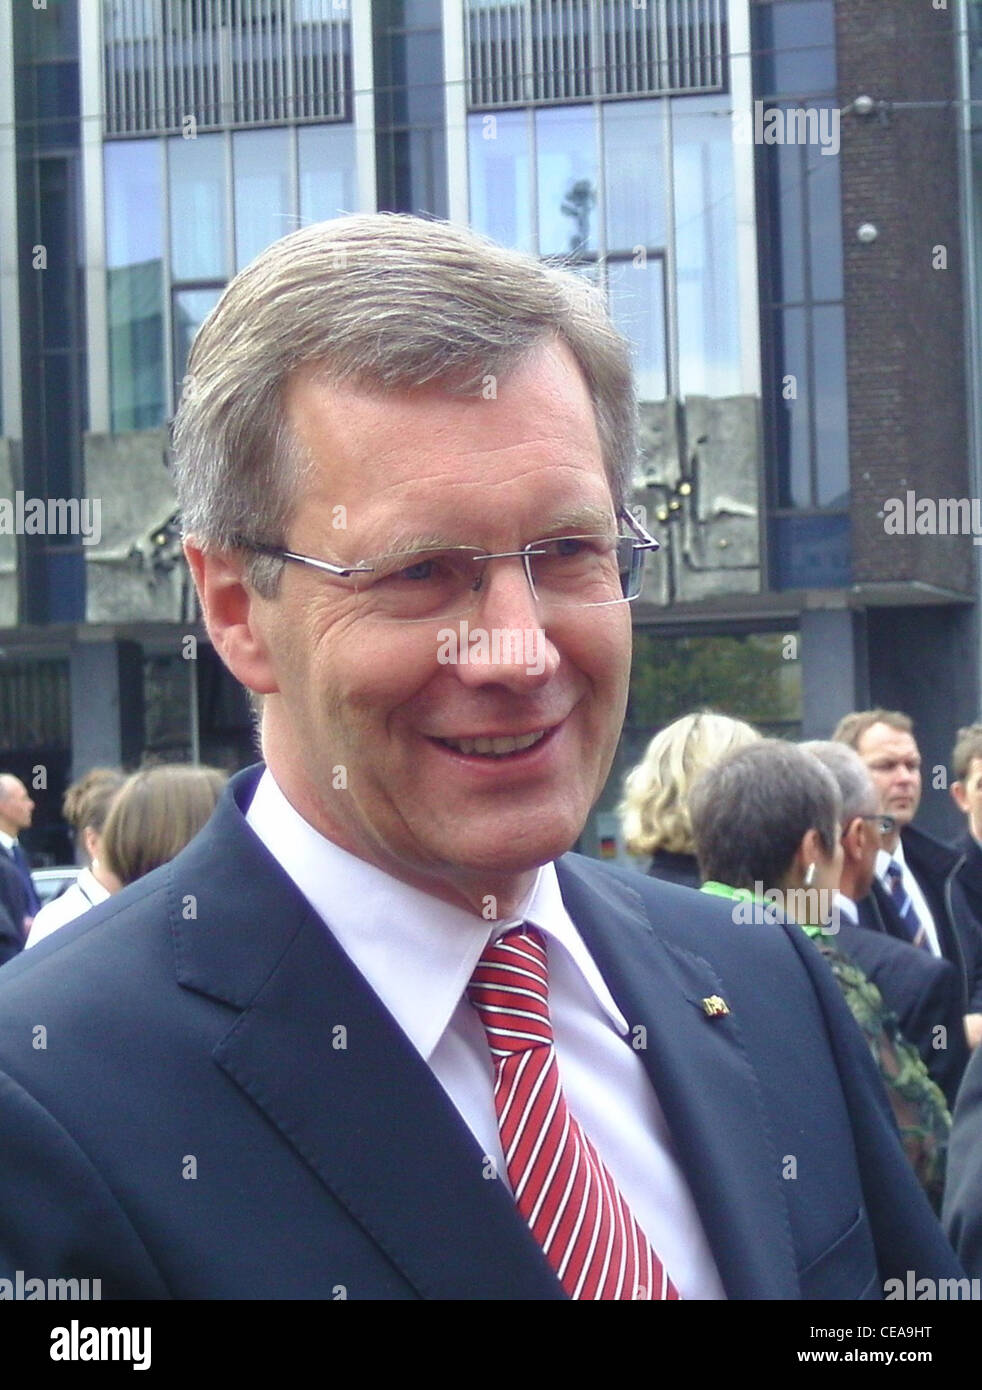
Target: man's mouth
{"points": [[498, 747]]}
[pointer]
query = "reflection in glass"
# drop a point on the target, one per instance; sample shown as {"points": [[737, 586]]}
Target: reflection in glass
{"points": [[328, 185], [794, 404], [831, 422], [812, 552], [190, 309], [263, 201], [56, 204], [825, 223], [788, 174], [705, 242], [500, 177], [134, 231], [198, 220], [796, 40], [566, 156], [637, 305], [634, 169]]}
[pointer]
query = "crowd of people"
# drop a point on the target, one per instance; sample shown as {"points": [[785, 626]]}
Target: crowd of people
{"points": [[822, 834], [123, 827]]}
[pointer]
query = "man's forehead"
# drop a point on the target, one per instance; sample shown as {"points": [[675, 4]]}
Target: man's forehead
{"points": [[420, 464], [883, 741]]}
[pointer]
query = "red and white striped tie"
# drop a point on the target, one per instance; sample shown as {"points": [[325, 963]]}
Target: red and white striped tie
{"points": [[561, 1186]]}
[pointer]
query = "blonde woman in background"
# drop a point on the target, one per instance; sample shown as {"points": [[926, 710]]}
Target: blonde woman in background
{"points": [[85, 806], [654, 811]]}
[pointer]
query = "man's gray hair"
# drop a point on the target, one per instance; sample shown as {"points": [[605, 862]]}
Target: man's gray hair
{"points": [[751, 810], [386, 301], [856, 786]]}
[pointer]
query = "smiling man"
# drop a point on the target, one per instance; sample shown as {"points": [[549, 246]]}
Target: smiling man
{"points": [[376, 1033]]}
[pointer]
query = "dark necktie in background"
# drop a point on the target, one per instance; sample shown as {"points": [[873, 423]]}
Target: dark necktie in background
{"points": [[913, 925], [24, 870]]}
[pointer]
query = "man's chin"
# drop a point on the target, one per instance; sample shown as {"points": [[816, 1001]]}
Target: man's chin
{"points": [[522, 851]]}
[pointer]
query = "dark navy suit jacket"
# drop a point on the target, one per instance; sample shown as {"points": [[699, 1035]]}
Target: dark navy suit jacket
{"points": [[923, 990], [193, 1129], [13, 909], [941, 873]]}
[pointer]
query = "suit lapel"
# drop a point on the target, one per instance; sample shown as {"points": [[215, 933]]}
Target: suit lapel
{"points": [[317, 1052], [702, 1076]]}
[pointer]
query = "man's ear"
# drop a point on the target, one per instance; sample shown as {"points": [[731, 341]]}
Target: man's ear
{"points": [[854, 838], [804, 855], [231, 610], [957, 790]]}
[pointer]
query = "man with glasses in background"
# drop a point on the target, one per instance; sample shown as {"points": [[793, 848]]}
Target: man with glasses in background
{"points": [[376, 1033], [919, 894], [923, 991]]}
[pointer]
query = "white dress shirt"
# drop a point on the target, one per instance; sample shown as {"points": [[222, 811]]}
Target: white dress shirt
{"points": [[84, 893], [418, 954], [913, 889], [847, 908]]}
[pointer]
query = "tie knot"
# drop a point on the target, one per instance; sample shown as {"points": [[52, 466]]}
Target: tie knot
{"points": [[510, 991], [894, 872]]}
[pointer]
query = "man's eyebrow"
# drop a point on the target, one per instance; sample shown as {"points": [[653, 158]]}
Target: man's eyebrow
{"points": [[418, 540], [587, 520]]}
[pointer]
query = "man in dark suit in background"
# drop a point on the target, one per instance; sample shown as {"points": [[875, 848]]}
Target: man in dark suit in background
{"points": [[918, 873], [13, 905], [379, 1035], [11, 914], [924, 991], [16, 812]]}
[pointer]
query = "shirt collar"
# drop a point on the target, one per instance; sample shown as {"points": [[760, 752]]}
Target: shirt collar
{"points": [[8, 841], [417, 952], [883, 859], [847, 907]]}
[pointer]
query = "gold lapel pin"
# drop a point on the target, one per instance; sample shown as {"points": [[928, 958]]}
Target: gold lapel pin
{"points": [[715, 1007]]}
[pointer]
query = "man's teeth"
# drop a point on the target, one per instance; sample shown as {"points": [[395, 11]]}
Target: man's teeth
{"points": [[495, 747]]}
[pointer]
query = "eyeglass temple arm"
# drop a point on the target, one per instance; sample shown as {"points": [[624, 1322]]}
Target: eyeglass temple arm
{"points": [[646, 541], [261, 548]]}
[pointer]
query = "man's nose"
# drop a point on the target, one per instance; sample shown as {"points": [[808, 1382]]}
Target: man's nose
{"points": [[505, 641]]}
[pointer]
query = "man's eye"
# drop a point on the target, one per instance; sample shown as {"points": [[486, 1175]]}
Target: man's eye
{"points": [[422, 569]]}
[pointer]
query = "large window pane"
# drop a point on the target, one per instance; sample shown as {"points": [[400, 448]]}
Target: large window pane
{"points": [[134, 235], [746, 677], [705, 247], [831, 422], [566, 154], [190, 309], [327, 172], [637, 306], [796, 40], [792, 415], [811, 552], [634, 165], [198, 220], [824, 223], [263, 203], [500, 177], [787, 228]]}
